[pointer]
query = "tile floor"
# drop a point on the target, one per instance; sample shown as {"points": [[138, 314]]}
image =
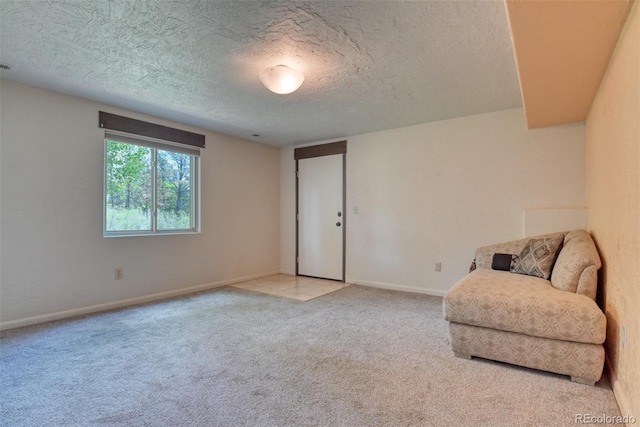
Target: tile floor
{"points": [[296, 287]]}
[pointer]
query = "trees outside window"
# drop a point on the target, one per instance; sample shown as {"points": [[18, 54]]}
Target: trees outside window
{"points": [[148, 189], [174, 190]]}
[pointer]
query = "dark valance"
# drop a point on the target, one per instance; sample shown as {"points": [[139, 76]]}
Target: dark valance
{"points": [[329, 149], [151, 130]]}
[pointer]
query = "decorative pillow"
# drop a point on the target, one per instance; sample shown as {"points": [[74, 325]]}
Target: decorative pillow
{"points": [[538, 256], [504, 262]]}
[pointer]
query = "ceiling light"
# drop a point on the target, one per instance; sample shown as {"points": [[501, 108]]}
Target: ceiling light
{"points": [[281, 79]]}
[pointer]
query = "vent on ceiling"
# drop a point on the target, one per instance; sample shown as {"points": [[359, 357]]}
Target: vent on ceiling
{"points": [[5, 66]]}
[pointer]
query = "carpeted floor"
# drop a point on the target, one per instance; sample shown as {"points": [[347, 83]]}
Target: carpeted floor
{"points": [[228, 357]]}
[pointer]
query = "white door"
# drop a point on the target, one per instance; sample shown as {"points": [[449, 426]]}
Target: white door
{"points": [[321, 217]]}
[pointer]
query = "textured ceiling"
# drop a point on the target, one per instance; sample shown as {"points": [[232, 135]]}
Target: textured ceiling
{"points": [[369, 65]]}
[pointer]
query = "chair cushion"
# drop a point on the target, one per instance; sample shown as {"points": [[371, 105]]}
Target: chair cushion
{"points": [[524, 304], [537, 257], [504, 262]]}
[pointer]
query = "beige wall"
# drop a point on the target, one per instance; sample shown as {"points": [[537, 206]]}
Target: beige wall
{"points": [[613, 201], [434, 192], [560, 68], [54, 259]]}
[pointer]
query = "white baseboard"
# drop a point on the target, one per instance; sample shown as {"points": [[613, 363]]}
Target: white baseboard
{"points": [[287, 272], [394, 287], [623, 401], [127, 302]]}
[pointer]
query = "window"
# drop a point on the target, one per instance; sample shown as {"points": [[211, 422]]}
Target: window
{"points": [[150, 187]]}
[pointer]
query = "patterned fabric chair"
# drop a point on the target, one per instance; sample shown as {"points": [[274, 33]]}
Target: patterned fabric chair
{"points": [[553, 325]]}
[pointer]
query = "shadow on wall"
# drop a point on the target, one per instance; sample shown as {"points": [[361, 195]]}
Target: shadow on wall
{"points": [[613, 324]]}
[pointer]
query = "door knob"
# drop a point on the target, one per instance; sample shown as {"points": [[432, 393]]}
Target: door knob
{"points": [[338, 224]]}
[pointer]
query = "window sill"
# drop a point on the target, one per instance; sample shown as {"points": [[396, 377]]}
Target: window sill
{"points": [[150, 233]]}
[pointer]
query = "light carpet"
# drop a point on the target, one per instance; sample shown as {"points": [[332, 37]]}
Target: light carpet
{"points": [[228, 357]]}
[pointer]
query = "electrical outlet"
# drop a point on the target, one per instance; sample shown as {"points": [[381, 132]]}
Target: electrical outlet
{"points": [[623, 338], [438, 266], [355, 209], [118, 274]]}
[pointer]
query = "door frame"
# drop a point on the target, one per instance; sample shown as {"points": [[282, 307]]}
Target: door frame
{"points": [[329, 149]]}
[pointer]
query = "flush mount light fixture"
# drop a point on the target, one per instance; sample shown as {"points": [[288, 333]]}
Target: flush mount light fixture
{"points": [[281, 79]]}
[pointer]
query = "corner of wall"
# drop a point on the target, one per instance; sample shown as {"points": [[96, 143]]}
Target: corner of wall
{"points": [[613, 201]]}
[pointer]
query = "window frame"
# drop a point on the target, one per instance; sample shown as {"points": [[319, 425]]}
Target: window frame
{"points": [[154, 145]]}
